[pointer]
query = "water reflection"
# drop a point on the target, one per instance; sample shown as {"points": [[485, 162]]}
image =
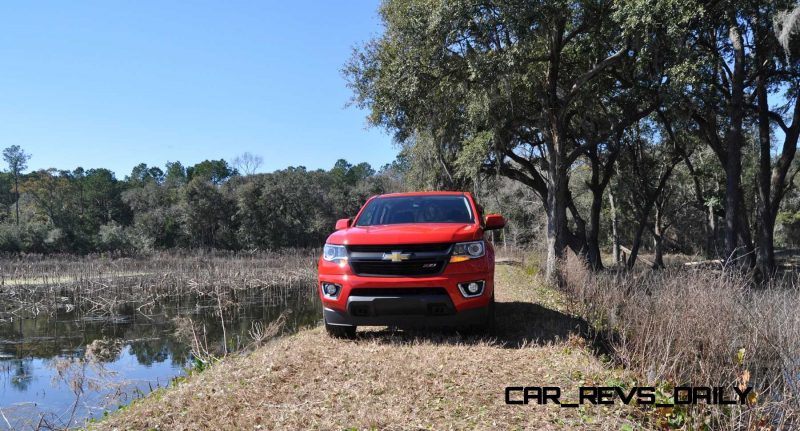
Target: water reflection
{"points": [[62, 368]]}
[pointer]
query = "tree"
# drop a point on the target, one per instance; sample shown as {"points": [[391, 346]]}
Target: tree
{"points": [[248, 163], [17, 160], [142, 174], [774, 70], [519, 89], [206, 214], [156, 214], [58, 205], [430, 166], [215, 171], [175, 175], [735, 69], [7, 196], [649, 162], [101, 199]]}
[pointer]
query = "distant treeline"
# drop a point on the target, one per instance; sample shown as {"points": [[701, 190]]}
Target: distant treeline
{"points": [[218, 204], [207, 205]]}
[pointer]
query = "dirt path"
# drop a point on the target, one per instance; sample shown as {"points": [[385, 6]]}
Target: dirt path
{"points": [[385, 380]]}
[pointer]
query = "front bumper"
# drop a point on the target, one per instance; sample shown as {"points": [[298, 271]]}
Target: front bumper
{"points": [[371, 311], [386, 303]]}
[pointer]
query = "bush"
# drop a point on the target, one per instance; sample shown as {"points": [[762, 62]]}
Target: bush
{"points": [[787, 228], [56, 240], [10, 241], [27, 238], [114, 237]]}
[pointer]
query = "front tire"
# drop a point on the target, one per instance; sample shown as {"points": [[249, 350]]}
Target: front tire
{"points": [[488, 326], [340, 331]]}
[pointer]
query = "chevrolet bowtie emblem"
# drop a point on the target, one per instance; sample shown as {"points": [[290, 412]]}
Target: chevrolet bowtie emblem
{"points": [[396, 256]]}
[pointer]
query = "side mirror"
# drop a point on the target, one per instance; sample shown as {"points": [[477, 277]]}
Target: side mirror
{"points": [[342, 223], [494, 221]]}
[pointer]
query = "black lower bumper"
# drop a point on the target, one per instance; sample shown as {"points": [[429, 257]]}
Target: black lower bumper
{"points": [[435, 310]]}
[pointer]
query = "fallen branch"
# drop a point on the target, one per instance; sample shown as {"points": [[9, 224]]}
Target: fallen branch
{"points": [[704, 262]]}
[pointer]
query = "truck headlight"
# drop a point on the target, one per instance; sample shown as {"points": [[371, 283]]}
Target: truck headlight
{"points": [[334, 253], [468, 250]]}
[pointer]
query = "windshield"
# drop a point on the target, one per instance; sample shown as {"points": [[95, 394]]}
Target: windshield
{"points": [[416, 209]]}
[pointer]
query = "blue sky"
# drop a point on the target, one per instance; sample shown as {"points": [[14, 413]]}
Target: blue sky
{"points": [[112, 83]]}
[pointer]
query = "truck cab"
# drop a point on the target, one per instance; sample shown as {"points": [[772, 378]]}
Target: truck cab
{"points": [[409, 260]]}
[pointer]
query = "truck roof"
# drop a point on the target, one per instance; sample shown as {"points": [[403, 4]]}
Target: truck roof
{"points": [[445, 193]]}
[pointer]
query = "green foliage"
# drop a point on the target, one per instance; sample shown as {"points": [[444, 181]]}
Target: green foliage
{"points": [[788, 223], [10, 240], [16, 158], [214, 171], [175, 175], [115, 237], [141, 174], [156, 214], [297, 207], [204, 206], [206, 213]]}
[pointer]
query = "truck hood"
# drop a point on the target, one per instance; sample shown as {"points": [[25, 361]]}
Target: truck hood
{"points": [[411, 233]]}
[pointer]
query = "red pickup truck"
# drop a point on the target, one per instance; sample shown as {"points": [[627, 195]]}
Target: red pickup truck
{"points": [[410, 260]]}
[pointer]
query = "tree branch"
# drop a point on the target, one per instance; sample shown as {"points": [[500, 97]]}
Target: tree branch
{"points": [[586, 77]]}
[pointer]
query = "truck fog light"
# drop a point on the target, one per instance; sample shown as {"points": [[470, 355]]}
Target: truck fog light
{"points": [[330, 290], [471, 289]]}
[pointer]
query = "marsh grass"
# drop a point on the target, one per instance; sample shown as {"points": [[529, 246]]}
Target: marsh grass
{"points": [[702, 328], [104, 286]]}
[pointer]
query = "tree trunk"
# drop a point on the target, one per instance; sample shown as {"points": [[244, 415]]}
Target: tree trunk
{"points": [[733, 139], [593, 235], [637, 238], [645, 211], [745, 240], [711, 231], [658, 245], [614, 234], [710, 225], [766, 226], [16, 195], [597, 186], [557, 184], [658, 241], [556, 223]]}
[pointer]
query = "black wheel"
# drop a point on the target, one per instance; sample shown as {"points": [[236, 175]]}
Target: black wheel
{"points": [[487, 327], [338, 331]]}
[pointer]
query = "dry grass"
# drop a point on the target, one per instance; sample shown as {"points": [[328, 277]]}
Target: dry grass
{"points": [[397, 380], [102, 286], [702, 328]]}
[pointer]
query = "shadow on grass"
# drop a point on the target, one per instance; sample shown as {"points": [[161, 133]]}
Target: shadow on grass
{"points": [[517, 324]]}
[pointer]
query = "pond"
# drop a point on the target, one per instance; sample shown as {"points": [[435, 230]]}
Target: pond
{"points": [[61, 368]]}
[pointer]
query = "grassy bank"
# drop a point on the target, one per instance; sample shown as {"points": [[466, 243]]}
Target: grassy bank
{"points": [[397, 380]]}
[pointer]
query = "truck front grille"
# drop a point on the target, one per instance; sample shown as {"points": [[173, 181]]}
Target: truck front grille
{"points": [[406, 248], [418, 259], [397, 269]]}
